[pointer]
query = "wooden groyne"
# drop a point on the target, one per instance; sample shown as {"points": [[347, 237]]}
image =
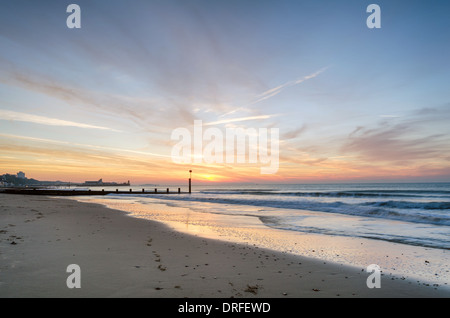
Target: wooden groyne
{"points": [[56, 192]]}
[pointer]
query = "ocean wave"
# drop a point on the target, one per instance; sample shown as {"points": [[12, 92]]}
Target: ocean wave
{"points": [[411, 205], [428, 213], [335, 194], [402, 239]]}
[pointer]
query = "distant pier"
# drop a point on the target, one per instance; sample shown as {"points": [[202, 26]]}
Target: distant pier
{"points": [[74, 192]]}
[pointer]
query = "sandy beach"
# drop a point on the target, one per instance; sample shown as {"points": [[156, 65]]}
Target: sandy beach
{"points": [[122, 256]]}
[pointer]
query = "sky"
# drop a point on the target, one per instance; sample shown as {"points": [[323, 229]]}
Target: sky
{"points": [[351, 104]]}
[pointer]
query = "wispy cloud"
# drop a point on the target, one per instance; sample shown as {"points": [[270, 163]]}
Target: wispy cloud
{"points": [[277, 90], [146, 113], [407, 141], [24, 117], [264, 96], [233, 120], [113, 150], [389, 116], [292, 134]]}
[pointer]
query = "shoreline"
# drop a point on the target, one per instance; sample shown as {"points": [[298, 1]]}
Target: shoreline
{"points": [[124, 256], [416, 263]]}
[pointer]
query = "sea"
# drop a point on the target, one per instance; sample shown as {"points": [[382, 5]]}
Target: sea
{"points": [[402, 227]]}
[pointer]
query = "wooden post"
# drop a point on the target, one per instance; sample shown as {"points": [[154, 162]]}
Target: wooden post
{"points": [[190, 177], [117, 190], [179, 190], [131, 190], [167, 190], [156, 190]]}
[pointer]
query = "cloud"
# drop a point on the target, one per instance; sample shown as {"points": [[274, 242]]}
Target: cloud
{"points": [[264, 96], [277, 90], [84, 146], [16, 116], [63, 156], [293, 133], [233, 120], [146, 114], [395, 143], [389, 116]]}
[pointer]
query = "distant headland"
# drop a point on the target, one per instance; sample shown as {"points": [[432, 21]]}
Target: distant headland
{"points": [[20, 180]]}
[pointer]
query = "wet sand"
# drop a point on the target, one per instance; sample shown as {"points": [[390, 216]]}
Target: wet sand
{"points": [[122, 256]]}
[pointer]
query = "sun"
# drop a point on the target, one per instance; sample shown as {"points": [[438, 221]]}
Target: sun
{"points": [[209, 177]]}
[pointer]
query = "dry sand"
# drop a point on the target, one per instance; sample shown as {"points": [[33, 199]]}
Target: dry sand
{"points": [[122, 256]]}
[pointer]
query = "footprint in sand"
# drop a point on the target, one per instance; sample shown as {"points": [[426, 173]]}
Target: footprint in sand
{"points": [[252, 289]]}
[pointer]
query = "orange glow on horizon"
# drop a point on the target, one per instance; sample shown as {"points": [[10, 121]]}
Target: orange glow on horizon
{"points": [[143, 171]]}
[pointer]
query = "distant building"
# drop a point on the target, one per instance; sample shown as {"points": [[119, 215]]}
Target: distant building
{"points": [[21, 175], [101, 183], [93, 183]]}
